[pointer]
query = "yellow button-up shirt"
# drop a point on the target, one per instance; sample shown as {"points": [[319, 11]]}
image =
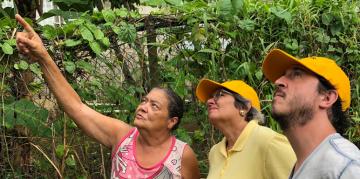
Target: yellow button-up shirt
{"points": [[258, 153]]}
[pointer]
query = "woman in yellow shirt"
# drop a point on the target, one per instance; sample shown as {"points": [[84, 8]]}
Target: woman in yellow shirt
{"points": [[248, 150]]}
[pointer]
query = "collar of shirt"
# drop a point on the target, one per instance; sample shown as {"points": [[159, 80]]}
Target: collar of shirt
{"points": [[241, 140]]}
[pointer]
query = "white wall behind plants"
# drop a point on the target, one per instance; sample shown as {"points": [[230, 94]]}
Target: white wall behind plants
{"points": [[46, 7]]}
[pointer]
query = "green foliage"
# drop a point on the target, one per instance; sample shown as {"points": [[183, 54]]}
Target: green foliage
{"points": [[60, 151], [25, 113], [35, 69], [127, 32], [7, 49], [72, 42], [104, 55], [86, 33], [49, 32], [23, 65], [109, 15]]}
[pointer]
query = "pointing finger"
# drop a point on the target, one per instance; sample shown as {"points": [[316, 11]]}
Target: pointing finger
{"points": [[23, 23]]}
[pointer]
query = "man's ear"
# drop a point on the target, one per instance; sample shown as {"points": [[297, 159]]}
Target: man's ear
{"points": [[328, 98], [172, 122]]}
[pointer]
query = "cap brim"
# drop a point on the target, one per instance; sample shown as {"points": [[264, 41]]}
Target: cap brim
{"points": [[206, 88], [276, 63]]}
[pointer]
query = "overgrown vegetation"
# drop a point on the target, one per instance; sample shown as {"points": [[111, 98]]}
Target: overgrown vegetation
{"points": [[113, 57]]}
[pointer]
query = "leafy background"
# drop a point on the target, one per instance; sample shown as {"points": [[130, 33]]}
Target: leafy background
{"points": [[113, 56]]}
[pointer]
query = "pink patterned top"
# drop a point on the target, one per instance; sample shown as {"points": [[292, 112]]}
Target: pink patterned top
{"points": [[124, 164]]}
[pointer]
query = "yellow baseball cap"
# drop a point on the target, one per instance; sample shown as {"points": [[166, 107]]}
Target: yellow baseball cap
{"points": [[278, 61], [207, 87]]}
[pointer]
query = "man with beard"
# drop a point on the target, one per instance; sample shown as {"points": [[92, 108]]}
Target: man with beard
{"points": [[310, 99]]}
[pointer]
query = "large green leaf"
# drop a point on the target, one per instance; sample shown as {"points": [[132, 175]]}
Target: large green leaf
{"points": [[98, 34], [57, 12], [72, 43], [60, 151], [69, 28], [237, 5], [109, 15], [34, 67], [25, 113], [5, 21], [95, 47], [281, 13], [86, 34], [291, 44], [22, 65], [121, 12], [127, 33], [49, 32], [69, 66], [116, 29], [11, 42], [7, 49], [105, 41], [225, 7], [326, 19], [135, 14]]}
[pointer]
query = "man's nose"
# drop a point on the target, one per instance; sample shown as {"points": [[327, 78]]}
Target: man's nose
{"points": [[281, 82]]}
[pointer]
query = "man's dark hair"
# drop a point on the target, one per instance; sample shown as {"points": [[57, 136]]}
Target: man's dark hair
{"points": [[175, 107], [335, 113]]}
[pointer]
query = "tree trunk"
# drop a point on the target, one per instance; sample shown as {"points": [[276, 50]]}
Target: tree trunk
{"points": [[27, 8], [125, 67], [152, 52]]}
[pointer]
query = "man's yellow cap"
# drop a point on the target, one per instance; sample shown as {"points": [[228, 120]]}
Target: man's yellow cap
{"points": [[278, 61], [207, 87]]}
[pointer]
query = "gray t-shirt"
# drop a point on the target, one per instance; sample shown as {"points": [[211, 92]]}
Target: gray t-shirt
{"points": [[335, 157]]}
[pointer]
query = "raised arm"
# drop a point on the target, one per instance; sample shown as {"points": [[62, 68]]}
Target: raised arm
{"points": [[104, 129]]}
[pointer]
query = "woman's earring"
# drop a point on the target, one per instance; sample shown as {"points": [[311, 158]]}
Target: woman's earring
{"points": [[242, 113]]}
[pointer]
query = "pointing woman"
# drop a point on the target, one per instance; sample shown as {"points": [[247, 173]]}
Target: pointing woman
{"points": [[147, 150]]}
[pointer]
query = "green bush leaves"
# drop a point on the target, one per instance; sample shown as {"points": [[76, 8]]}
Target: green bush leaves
{"points": [[24, 112]]}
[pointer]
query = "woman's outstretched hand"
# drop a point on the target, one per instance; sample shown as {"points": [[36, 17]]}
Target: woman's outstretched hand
{"points": [[28, 42]]}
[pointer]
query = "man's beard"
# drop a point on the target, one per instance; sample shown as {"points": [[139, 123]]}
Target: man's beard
{"points": [[299, 114]]}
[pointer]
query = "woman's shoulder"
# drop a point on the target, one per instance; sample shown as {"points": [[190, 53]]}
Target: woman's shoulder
{"points": [[267, 135]]}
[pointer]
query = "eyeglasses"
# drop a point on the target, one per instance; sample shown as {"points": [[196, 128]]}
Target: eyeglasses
{"points": [[217, 94]]}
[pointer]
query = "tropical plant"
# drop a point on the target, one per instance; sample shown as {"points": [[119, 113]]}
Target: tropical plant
{"points": [[114, 56]]}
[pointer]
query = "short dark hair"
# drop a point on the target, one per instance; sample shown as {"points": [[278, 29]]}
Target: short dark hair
{"points": [[176, 105], [241, 103], [335, 113]]}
